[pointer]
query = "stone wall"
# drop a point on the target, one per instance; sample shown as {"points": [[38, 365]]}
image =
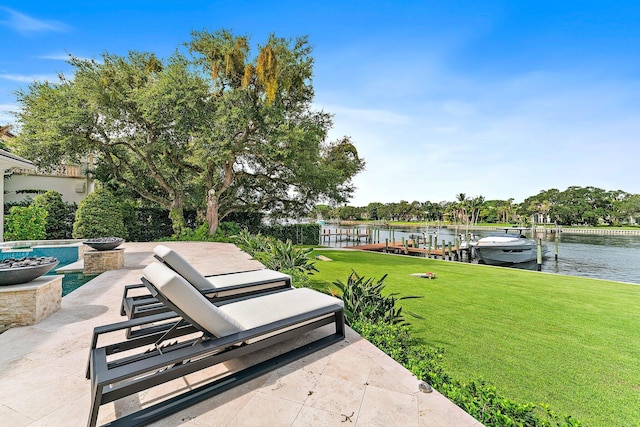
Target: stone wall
{"points": [[29, 303], [96, 262]]}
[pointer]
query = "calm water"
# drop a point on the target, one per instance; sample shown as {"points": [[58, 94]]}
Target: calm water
{"points": [[65, 254], [603, 257], [72, 281]]}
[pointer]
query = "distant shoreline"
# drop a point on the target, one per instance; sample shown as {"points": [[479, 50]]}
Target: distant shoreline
{"points": [[601, 231]]}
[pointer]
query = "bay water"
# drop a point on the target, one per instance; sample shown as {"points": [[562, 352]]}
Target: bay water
{"points": [[608, 257]]}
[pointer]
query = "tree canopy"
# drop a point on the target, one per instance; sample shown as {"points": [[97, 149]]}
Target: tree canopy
{"points": [[217, 126]]}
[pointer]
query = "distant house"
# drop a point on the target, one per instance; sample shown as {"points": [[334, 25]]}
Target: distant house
{"points": [[541, 218], [22, 180], [72, 181], [25, 182]]}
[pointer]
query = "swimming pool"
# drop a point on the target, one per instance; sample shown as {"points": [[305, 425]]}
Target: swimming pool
{"points": [[65, 251]]}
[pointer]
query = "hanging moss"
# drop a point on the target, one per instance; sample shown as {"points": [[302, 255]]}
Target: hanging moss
{"points": [[267, 72], [248, 74]]}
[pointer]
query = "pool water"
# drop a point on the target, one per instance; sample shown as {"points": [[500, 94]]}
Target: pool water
{"points": [[72, 281], [64, 253]]}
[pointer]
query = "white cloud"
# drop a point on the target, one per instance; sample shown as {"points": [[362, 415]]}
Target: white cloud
{"points": [[367, 115], [25, 24], [63, 57], [6, 113], [459, 108], [508, 137], [29, 78], [56, 56]]}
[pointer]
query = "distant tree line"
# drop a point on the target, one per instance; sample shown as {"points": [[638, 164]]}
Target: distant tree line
{"points": [[573, 206]]}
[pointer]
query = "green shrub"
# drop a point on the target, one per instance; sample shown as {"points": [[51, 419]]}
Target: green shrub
{"points": [[70, 218], [252, 221], [56, 222], [9, 205], [225, 232], [146, 224], [200, 234], [393, 339], [278, 255], [26, 223], [285, 256], [251, 243], [364, 301], [99, 215]]}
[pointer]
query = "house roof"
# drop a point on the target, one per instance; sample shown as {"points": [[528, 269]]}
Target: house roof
{"points": [[5, 131], [9, 160]]}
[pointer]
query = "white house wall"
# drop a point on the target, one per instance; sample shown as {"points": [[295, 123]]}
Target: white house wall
{"points": [[67, 186]]}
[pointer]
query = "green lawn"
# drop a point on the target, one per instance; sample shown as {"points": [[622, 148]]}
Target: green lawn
{"points": [[573, 343]]}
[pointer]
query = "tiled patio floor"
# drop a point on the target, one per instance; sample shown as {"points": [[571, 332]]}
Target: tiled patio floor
{"points": [[42, 369]]}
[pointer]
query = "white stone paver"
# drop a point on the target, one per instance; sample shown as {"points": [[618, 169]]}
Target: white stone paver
{"points": [[353, 383]]}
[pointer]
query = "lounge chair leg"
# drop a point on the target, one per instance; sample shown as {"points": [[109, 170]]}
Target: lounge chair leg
{"points": [[94, 344], [96, 396], [340, 326]]}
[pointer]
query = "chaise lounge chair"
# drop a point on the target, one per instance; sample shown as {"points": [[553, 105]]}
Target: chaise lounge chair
{"points": [[217, 288], [232, 330]]}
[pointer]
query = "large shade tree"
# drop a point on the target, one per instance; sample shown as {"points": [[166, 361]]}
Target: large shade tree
{"points": [[221, 125], [266, 148], [134, 113]]}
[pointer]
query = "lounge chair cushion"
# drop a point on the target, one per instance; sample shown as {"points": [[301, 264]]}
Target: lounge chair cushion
{"points": [[258, 279], [238, 315], [185, 296], [185, 269], [268, 308]]}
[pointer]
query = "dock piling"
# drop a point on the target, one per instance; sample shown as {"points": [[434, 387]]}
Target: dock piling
{"points": [[557, 241], [539, 260]]}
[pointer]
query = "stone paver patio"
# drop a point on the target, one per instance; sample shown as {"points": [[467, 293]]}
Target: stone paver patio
{"points": [[353, 383]]}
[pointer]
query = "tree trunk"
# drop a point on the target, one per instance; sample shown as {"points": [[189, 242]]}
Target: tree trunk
{"points": [[176, 215], [213, 216], [213, 197]]}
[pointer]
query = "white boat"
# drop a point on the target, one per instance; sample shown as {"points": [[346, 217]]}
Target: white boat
{"points": [[507, 248]]}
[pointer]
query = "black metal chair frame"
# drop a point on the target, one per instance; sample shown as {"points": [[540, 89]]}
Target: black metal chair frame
{"points": [[156, 360]]}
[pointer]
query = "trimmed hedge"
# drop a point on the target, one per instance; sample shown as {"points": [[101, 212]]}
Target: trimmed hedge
{"points": [[99, 215], [52, 232], [57, 213], [147, 224], [299, 234]]}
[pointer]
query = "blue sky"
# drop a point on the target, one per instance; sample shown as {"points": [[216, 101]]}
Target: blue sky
{"points": [[500, 99]]}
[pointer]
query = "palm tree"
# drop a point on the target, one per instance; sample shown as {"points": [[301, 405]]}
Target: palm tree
{"points": [[462, 206], [476, 204], [506, 210]]}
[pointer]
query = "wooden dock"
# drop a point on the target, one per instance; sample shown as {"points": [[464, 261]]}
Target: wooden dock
{"points": [[349, 235], [452, 252], [416, 245]]}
